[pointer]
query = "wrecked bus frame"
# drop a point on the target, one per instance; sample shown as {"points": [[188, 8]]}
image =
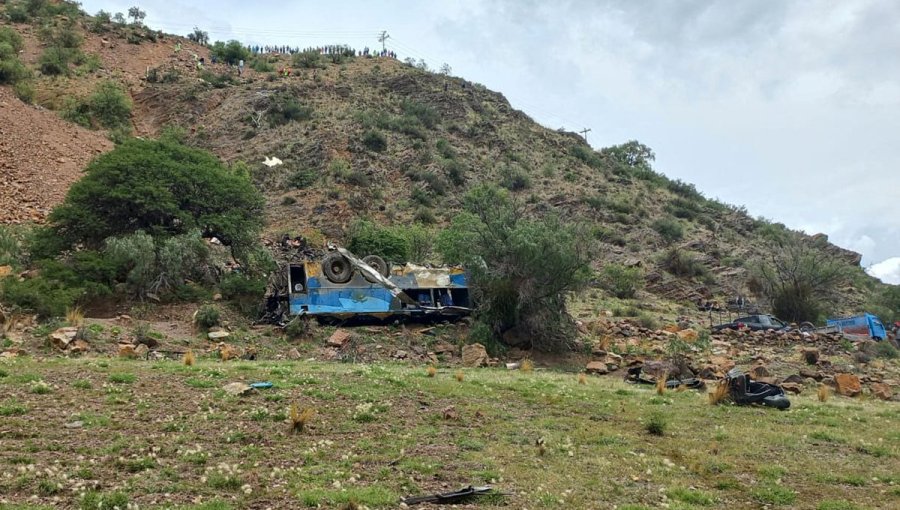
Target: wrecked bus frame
{"points": [[343, 287]]}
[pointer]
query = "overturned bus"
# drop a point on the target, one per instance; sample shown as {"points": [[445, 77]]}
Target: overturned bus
{"points": [[343, 287]]}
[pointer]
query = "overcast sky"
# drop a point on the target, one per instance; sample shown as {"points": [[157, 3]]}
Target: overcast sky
{"points": [[789, 108]]}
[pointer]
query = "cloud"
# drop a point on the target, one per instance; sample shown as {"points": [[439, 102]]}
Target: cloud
{"points": [[888, 271]]}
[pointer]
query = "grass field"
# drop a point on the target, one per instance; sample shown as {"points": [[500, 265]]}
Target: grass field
{"points": [[99, 433]]}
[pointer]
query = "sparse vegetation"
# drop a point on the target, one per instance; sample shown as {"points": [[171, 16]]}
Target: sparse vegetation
{"points": [[621, 281]]}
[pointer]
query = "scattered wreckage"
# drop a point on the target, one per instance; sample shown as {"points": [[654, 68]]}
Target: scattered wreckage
{"points": [[342, 287]]}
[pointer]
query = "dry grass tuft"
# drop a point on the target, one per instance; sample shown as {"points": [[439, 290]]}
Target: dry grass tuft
{"points": [[189, 359], [299, 419], [661, 384], [582, 379], [228, 352], [431, 371], [823, 393], [718, 394], [527, 366], [75, 317], [460, 376], [681, 387]]}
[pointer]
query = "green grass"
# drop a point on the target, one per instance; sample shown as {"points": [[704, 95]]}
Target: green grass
{"points": [[596, 444], [122, 378]]}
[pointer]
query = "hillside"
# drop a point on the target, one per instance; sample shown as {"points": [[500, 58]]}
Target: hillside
{"points": [[377, 138]]}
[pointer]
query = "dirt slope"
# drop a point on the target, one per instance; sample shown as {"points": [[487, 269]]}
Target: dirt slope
{"points": [[41, 155]]}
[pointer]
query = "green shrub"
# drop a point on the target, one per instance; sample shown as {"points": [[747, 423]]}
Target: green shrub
{"points": [[309, 59], [303, 178], [622, 282], [886, 350], [683, 208], [520, 269], [444, 149], [656, 424], [110, 105], [207, 317], [425, 216], [161, 188], [587, 155], [456, 171], [24, 91], [374, 141], [17, 13], [608, 235], [683, 264], [425, 114], [92, 500], [514, 178], [260, 65], [390, 243], [670, 229], [286, 109], [217, 80], [243, 291], [231, 52]]}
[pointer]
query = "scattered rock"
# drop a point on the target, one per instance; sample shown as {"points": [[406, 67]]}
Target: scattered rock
{"points": [[126, 351], [62, 337], [759, 372], [474, 355], [237, 389], [449, 413], [688, 335], [294, 354], [811, 356], [847, 385], [401, 354], [79, 347], [443, 348], [217, 335], [141, 350], [795, 388], [74, 425], [339, 338], [810, 374], [596, 367], [882, 391], [794, 379]]}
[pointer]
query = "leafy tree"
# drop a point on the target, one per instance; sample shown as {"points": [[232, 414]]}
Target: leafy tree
{"points": [[799, 278], [137, 15], [161, 188], [231, 52], [521, 269], [394, 244], [669, 228], [12, 70], [631, 154], [308, 59], [199, 36], [119, 18]]}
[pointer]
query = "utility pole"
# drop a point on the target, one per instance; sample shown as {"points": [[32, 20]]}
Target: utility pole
{"points": [[584, 133], [382, 38]]}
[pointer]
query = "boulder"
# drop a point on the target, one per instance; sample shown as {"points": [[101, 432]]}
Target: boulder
{"points": [[141, 350], [759, 372], [293, 354], [882, 391], [847, 385], [794, 379], [474, 355], [79, 347], [126, 351], [443, 348], [237, 389], [688, 335], [339, 338], [596, 367], [795, 388], [62, 337], [811, 356], [218, 335], [810, 374]]}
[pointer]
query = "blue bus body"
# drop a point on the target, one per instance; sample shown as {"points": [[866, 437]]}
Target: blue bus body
{"points": [[867, 325]]}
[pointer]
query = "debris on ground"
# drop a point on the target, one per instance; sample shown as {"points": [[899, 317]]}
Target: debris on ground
{"points": [[448, 498], [237, 389], [339, 338], [745, 391]]}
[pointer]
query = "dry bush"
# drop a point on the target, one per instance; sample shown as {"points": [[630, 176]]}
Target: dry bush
{"points": [[823, 393], [661, 384], [75, 317], [527, 366], [718, 394], [460, 376], [299, 419], [582, 379], [189, 358], [431, 371], [227, 352]]}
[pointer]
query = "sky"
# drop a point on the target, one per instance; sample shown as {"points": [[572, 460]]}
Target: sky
{"points": [[791, 109]]}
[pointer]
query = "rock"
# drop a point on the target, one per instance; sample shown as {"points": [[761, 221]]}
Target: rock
{"points": [[882, 391], [141, 350], [811, 356], [294, 354], [759, 372], [237, 389], [688, 335], [401, 354], [795, 388], [217, 296], [474, 355], [79, 346], [861, 357], [449, 413], [217, 335], [62, 337], [810, 374], [443, 348], [74, 425], [847, 385], [596, 367], [339, 338], [126, 351], [794, 379]]}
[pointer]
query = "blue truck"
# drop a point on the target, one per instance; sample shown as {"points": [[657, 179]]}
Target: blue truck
{"points": [[866, 325]]}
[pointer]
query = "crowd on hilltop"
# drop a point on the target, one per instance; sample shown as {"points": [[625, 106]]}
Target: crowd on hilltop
{"points": [[329, 49]]}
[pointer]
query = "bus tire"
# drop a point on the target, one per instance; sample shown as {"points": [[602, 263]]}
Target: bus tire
{"points": [[337, 268], [378, 264]]}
